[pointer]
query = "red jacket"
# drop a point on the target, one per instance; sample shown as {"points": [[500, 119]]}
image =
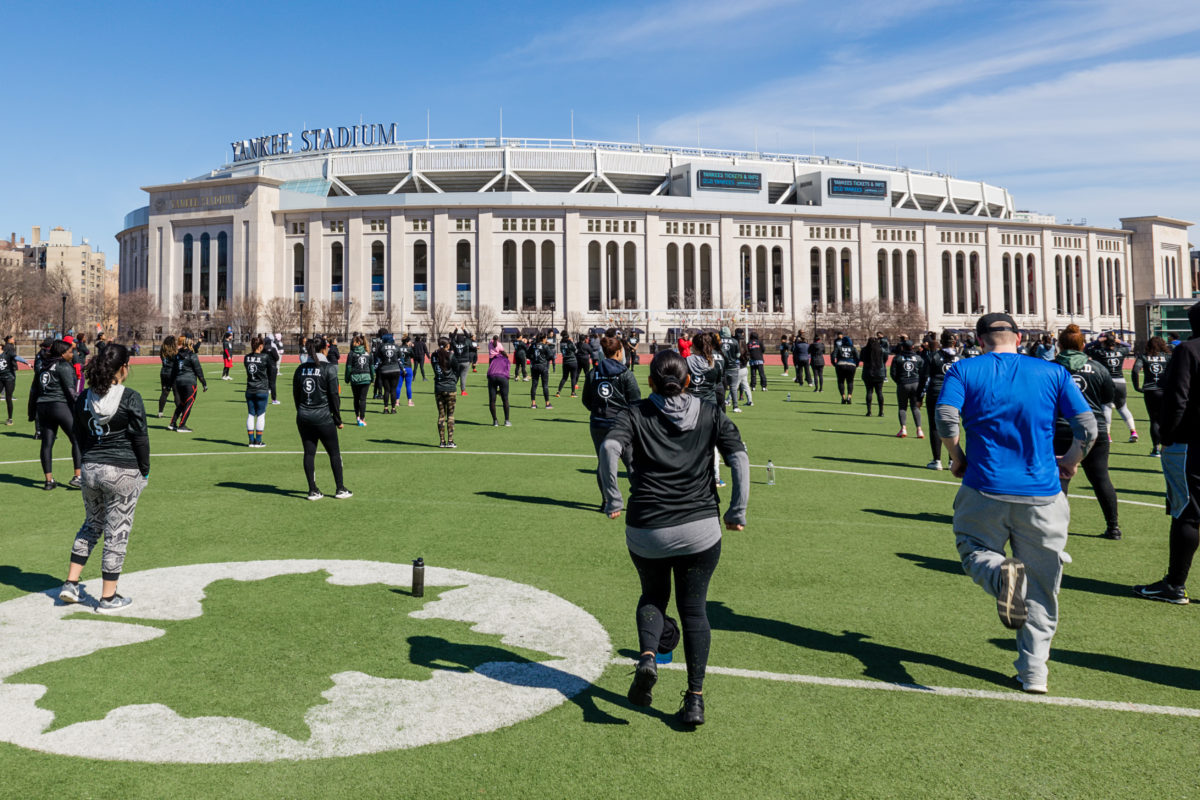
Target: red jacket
{"points": [[685, 347]]}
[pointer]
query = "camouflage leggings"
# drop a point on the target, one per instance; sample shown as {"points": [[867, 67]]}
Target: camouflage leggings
{"points": [[110, 495], [445, 407]]}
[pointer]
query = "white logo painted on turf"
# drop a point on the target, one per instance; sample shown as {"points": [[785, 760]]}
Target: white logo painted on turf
{"points": [[363, 714]]}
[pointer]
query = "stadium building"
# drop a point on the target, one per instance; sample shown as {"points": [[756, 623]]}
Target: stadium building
{"points": [[577, 233]]}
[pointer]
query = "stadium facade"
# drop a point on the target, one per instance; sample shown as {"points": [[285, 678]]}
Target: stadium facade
{"points": [[571, 232]]}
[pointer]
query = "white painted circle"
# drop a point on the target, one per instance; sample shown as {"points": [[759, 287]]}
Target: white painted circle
{"points": [[363, 714]]}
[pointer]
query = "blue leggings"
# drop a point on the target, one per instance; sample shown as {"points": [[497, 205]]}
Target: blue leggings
{"points": [[406, 376]]}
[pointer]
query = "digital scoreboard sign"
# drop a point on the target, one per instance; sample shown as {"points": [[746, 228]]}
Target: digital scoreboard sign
{"points": [[721, 179], [855, 187]]}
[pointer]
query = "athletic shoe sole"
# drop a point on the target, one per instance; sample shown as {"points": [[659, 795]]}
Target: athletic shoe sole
{"points": [[641, 691], [1140, 591], [68, 596], [1010, 603]]}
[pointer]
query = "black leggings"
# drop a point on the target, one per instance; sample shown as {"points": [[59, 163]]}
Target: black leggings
{"points": [[692, 574], [874, 386], [54, 417], [167, 384], [761, 371], [908, 395], [1153, 407], [570, 373], [9, 384], [845, 378], [818, 378], [185, 398], [1185, 529], [519, 369], [388, 382], [935, 441], [498, 386], [327, 435], [1095, 467], [539, 374], [360, 399], [806, 369], [272, 378]]}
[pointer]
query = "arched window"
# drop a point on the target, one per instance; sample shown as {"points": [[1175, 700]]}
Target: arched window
{"points": [[1078, 285], [1006, 279], [882, 268], [912, 277], [744, 257], [690, 290], [336, 271], [777, 279], [830, 278], [976, 285], [847, 285], [594, 276], [549, 279], [528, 274], [222, 269], [298, 293], [188, 267], [1111, 278], [706, 276], [612, 264], [947, 286], [1117, 283], [205, 269], [378, 294], [1059, 308], [760, 278], [1018, 282], [814, 276], [631, 279], [421, 276], [673, 297], [1100, 281], [1031, 283], [897, 277], [960, 281], [508, 275], [463, 299]]}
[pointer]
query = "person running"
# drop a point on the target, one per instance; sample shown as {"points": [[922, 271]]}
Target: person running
{"points": [[540, 356], [1093, 380], [909, 373], [461, 347], [274, 356], [360, 374], [445, 380], [570, 365], [110, 425], [317, 395], [420, 353], [816, 352], [1112, 356], [673, 528], [845, 364], [55, 402], [187, 372], [520, 357], [583, 355], [937, 364], [802, 359], [731, 354], [785, 350], [757, 361], [407, 354], [874, 362], [497, 378], [609, 389], [8, 373], [1179, 427], [745, 393], [258, 390], [226, 356], [387, 368], [1152, 366]]}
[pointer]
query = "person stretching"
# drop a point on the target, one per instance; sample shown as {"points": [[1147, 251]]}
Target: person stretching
{"points": [[187, 372], [258, 390], [497, 378], [445, 380], [608, 390], [317, 395], [540, 356], [570, 365]]}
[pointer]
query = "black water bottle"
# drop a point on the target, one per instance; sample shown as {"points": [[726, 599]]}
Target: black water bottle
{"points": [[418, 578]]}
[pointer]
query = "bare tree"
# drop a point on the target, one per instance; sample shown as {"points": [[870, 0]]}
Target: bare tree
{"points": [[862, 319], [439, 320], [244, 314], [280, 315], [137, 314], [534, 317], [484, 321], [575, 323]]}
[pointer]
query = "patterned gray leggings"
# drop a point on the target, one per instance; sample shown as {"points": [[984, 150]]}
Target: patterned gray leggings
{"points": [[110, 495]]}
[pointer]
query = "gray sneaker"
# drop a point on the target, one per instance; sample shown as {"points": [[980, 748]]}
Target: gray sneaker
{"points": [[113, 603], [70, 593]]}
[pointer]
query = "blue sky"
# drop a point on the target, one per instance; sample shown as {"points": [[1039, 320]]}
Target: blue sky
{"points": [[1081, 109]]}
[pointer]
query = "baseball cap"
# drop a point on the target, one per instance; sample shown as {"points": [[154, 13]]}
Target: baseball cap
{"points": [[995, 322]]}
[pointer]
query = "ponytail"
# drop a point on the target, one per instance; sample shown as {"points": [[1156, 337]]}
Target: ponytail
{"points": [[101, 371], [442, 354], [668, 373]]}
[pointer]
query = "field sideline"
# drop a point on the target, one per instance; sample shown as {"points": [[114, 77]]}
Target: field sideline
{"points": [[851, 657]]}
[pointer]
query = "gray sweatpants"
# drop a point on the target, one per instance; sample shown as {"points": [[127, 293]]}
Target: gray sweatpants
{"points": [[110, 495], [1038, 535]]}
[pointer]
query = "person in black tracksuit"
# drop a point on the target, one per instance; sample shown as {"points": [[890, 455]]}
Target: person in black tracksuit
{"points": [[360, 373], [1093, 380], [971, 348], [166, 371], [802, 360], [909, 373], [271, 348], [874, 358], [55, 400], [317, 395], [420, 353], [462, 352], [41, 360], [785, 352], [445, 379], [609, 388], [845, 364], [520, 356], [757, 360], [8, 373], [540, 356], [377, 385], [937, 364], [583, 354], [570, 365], [258, 390], [187, 372], [1151, 366], [387, 367], [816, 352], [731, 355]]}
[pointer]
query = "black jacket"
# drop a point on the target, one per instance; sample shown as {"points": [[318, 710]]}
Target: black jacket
{"points": [[444, 380], [1113, 360], [909, 368], [407, 354], [845, 354], [387, 358], [731, 353], [707, 379], [258, 372], [166, 368], [1093, 381], [359, 367], [874, 361], [800, 352], [540, 356], [1179, 419], [608, 389], [816, 351], [56, 384], [188, 369], [120, 440], [937, 364], [567, 348], [1153, 368], [316, 393]]}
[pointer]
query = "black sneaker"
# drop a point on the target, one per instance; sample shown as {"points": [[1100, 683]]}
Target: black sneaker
{"points": [[75, 483], [692, 710], [644, 678], [49, 485], [1010, 603], [1161, 590], [1112, 532]]}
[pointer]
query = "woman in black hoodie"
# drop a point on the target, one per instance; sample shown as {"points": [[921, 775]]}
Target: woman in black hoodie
{"points": [[166, 371], [874, 361], [608, 390], [55, 398], [445, 379], [816, 352], [110, 424], [187, 372]]}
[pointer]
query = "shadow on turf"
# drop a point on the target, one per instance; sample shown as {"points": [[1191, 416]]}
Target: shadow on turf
{"points": [[843, 460], [1072, 582], [1173, 677], [541, 501], [924, 516], [21, 480], [858, 433], [880, 661], [496, 663], [397, 441], [218, 441], [27, 581], [261, 488]]}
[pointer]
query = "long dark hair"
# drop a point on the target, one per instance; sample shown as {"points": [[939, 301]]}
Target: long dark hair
{"points": [[169, 348], [872, 354], [256, 343], [702, 345], [102, 368], [442, 354], [669, 373], [1157, 346], [315, 345]]}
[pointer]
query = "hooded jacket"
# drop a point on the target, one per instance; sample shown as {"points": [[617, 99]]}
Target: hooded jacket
{"points": [[258, 372], [359, 368], [56, 383], [111, 429], [1093, 381], [608, 389], [706, 378], [1179, 419]]}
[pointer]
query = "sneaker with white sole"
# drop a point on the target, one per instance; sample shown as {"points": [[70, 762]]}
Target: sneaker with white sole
{"points": [[1010, 602], [113, 603], [315, 495], [70, 592], [1166, 592], [935, 464], [1031, 687], [343, 494]]}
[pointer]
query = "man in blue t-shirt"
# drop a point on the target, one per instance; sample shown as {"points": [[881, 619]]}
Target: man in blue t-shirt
{"points": [[1011, 489]]}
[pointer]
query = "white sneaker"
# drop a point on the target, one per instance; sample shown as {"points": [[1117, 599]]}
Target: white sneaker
{"points": [[343, 494], [935, 464], [737, 411]]}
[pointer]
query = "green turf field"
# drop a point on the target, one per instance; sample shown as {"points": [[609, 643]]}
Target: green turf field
{"points": [[847, 570]]}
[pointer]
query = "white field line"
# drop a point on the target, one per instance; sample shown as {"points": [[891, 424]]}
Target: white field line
{"points": [[941, 691], [435, 450]]}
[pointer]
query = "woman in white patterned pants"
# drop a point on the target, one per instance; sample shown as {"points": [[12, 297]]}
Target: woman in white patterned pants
{"points": [[110, 425]]}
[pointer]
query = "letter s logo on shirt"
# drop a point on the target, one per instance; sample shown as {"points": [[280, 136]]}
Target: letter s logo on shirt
{"points": [[605, 390], [1079, 382]]}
